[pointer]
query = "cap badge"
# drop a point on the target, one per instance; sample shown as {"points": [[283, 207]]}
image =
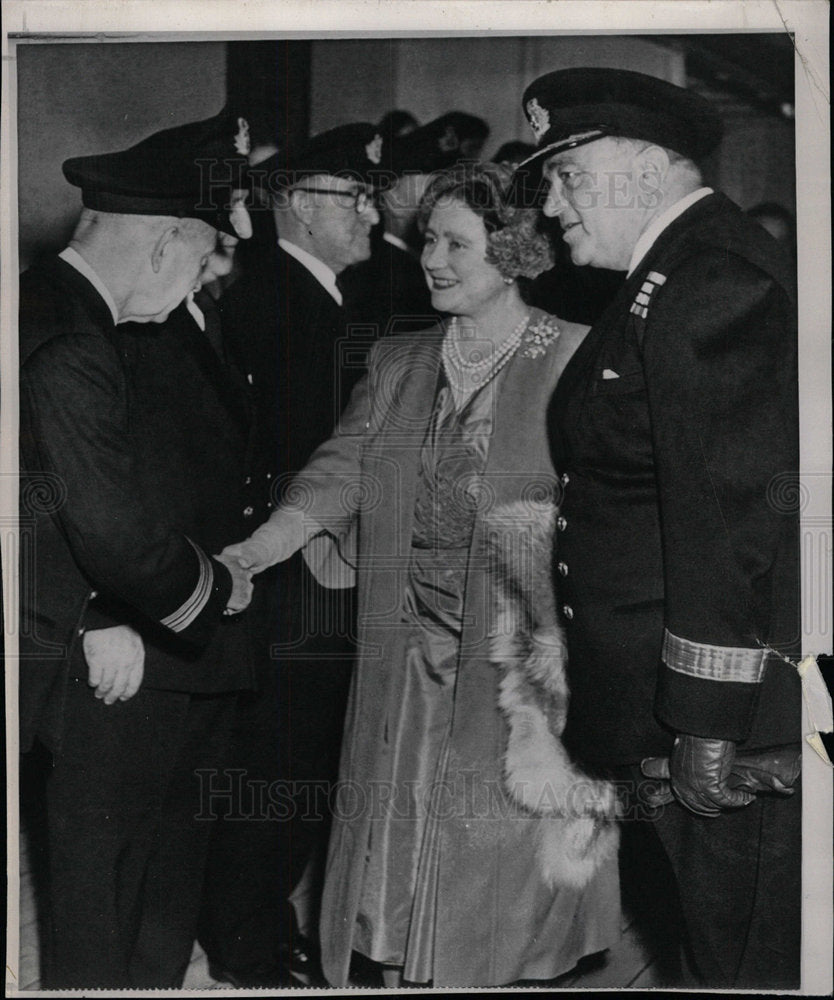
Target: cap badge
{"points": [[539, 118], [374, 149], [242, 143]]}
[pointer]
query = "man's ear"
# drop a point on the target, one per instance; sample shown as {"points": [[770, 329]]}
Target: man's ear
{"points": [[301, 206], [163, 246], [654, 161]]}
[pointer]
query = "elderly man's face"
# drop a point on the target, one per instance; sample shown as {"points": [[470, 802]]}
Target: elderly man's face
{"points": [[340, 233], [178, 257], [602, 201]]}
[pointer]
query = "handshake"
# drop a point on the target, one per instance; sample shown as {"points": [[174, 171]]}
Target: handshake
{"points": [[276, 540]]}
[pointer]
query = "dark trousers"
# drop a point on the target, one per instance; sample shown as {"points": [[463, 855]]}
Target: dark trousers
{"points": [[735, 882], [285, 752], [128, 836], [244, 900]]}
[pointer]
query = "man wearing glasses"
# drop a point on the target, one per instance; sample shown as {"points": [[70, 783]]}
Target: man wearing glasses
{"points": [[287, 327]]}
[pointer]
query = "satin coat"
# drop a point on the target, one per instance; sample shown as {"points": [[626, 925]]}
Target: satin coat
{"points": [[360, 487]]}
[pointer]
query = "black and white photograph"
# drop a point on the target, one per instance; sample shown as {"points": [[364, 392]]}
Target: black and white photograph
{"points": [[415, 470]]}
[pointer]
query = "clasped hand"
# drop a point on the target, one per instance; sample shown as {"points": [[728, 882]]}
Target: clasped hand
{"points": [[242, 588], [271, 543], [115, 662], [708, 777]]}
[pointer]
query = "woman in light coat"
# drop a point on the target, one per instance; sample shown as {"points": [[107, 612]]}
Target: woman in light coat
{"points": [[449, 863]]}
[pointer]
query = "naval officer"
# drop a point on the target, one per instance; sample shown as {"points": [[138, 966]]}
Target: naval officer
{"points": [[675, 430], [132, 437]]}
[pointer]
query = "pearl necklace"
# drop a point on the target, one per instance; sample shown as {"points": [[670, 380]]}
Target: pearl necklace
{"points": [[465, 375]]}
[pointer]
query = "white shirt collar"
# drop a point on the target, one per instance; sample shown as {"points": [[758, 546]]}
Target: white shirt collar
{"points": [[74, 259], [660, 222], [325, 275], [197, 313], [397, 242]]}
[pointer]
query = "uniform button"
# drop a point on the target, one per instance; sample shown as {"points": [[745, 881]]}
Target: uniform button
{"points": [[269, 475], [248, 511], [248, 480], [563, 568], [93, 595], [249, 378], [564, 479], [567, 611], [81, 631], [269, 503], [561, 523]]}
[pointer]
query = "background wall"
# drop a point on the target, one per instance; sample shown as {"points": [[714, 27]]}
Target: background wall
{"points": [[359, 80], [78, 98], [74, 99]]}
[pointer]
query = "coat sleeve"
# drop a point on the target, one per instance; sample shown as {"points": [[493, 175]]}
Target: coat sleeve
{"points": [[76, 414], [720, 365]]}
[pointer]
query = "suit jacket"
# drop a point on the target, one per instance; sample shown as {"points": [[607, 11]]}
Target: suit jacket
{"points": [[675, 428], [388, 292], [290, 338], [132, 439]]}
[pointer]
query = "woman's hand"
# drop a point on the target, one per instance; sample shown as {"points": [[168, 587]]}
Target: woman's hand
{"points": [[273, 542], [254, 556], [241, 594]]}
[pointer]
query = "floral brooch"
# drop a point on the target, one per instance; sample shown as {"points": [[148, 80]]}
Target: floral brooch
{"points": [[539, 337]]}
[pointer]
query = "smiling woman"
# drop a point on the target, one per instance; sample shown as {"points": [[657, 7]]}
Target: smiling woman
{"points": [[436, 870]]}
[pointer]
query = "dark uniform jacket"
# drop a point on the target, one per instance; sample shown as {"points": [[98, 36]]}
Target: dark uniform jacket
{"points": [[675, 428], [133, 442]]}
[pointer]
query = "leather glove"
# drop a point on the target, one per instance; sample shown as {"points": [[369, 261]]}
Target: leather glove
{"points": [[699, 771], [767, 771]]}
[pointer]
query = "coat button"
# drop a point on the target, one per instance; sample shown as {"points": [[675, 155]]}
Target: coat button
{"points": [[567, 611], [248, 511], [248, 480], [561, 523], [93, 595], [563, 568], [564, 479]]}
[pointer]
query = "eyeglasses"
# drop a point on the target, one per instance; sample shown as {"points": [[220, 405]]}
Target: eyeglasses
{"points": [[358, 200]]}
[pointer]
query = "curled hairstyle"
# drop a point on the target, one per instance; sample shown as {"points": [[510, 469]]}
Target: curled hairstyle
{"points": [[515, 246]]}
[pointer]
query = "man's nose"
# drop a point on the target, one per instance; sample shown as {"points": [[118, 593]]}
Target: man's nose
{"points": [[371, 213], [554, 204]]}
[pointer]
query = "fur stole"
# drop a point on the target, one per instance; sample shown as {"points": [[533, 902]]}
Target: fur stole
{"points": [[578, 829]]}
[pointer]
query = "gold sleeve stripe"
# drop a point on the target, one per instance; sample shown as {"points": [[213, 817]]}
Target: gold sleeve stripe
{"points": [[713, 663], [186, 614]]}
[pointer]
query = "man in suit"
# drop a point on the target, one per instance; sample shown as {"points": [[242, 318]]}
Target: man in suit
{"points": [[673, 427], [286, 323], [131, 438]]}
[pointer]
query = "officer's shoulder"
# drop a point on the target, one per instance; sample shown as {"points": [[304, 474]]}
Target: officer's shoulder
{"points": [[66, 355]]}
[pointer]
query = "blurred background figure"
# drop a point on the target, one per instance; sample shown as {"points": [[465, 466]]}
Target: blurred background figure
{"points": [[286, 326], [397, 123], [777, 220], [388, 293], [512, 153], [781, 225]]}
